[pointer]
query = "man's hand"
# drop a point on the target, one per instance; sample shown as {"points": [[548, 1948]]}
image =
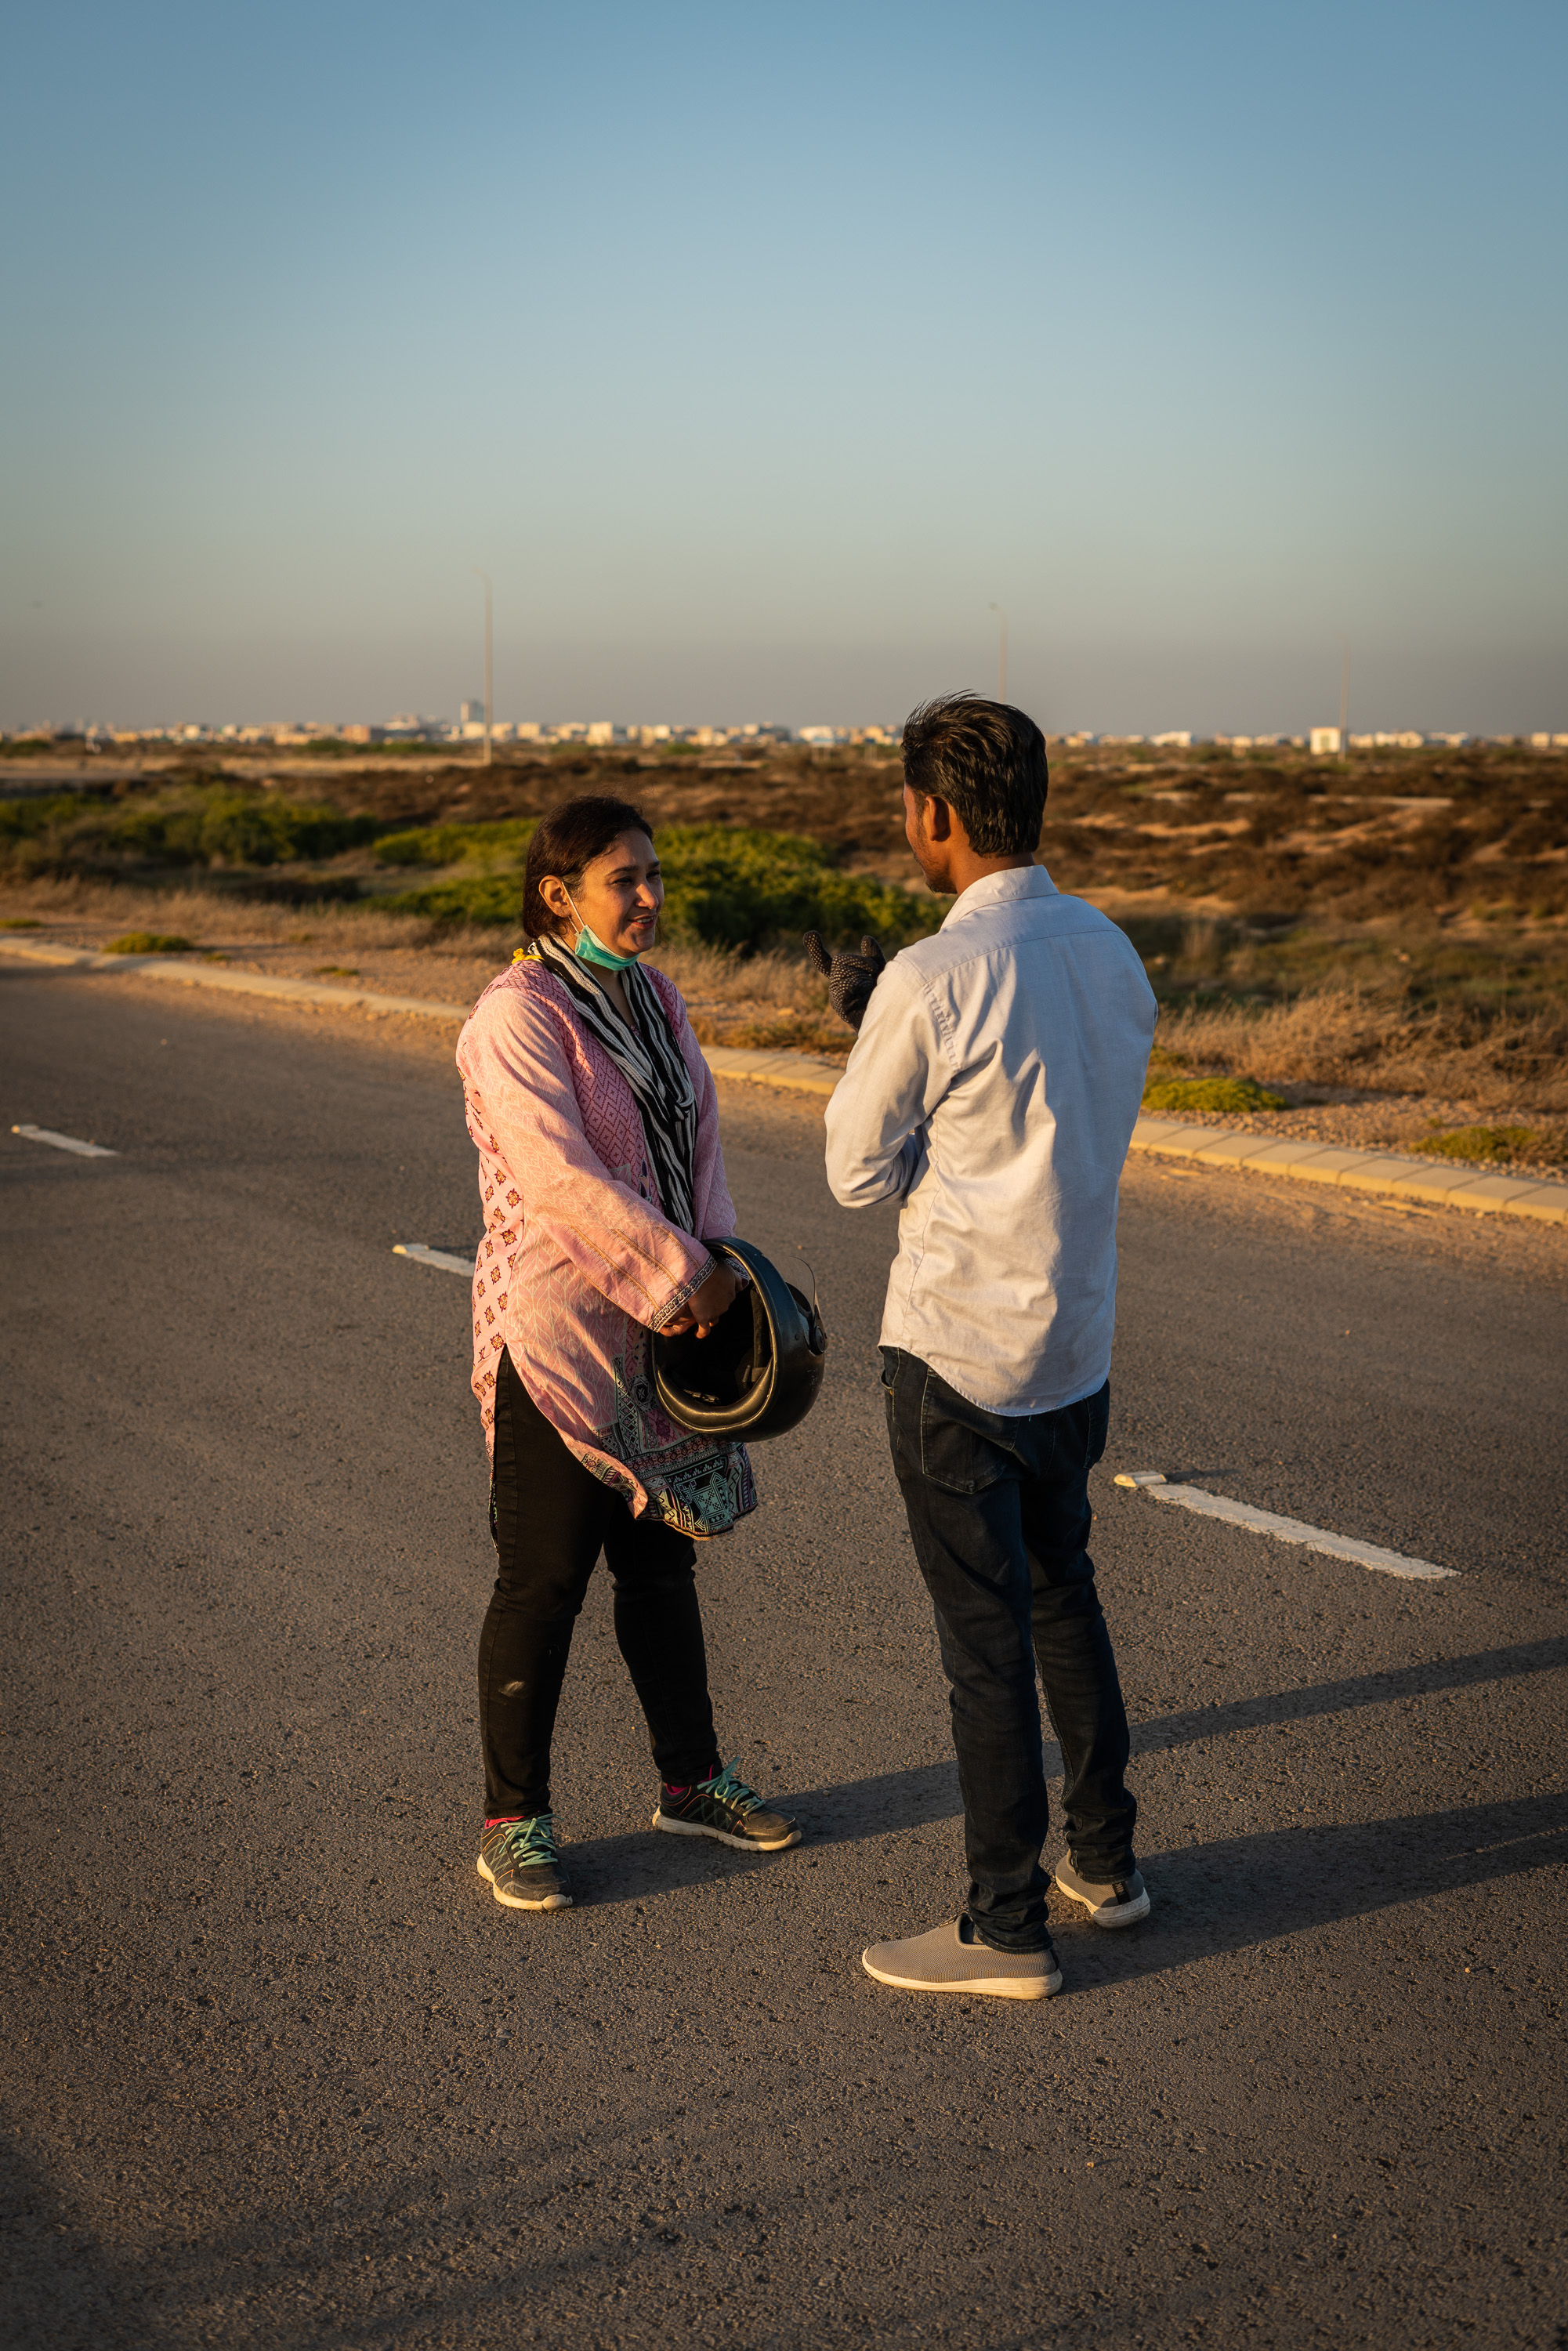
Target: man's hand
{"points": [[849, 977], [707, 1303]]}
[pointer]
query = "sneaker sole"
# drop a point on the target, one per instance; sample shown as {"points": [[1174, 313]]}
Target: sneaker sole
{"points": [[1038, 1988], [556, 1901], [1120, 1914], [722, 1836]]}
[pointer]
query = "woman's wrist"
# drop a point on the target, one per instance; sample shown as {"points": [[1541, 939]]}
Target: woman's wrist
{"points": [[737, 1266], [676, 1303]]}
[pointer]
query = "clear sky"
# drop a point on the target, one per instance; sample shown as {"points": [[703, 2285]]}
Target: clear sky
{"points": [[755, 351]]}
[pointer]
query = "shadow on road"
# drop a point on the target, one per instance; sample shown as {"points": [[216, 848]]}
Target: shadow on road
{"points": [[62, 2289], [302, 2276], [620, 1869], [1218, 1898], [1335, 1697]]}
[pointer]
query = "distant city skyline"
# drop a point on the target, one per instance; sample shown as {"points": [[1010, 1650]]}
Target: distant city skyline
{"points": [[653, 735], [757, 355], [1142, 691]]}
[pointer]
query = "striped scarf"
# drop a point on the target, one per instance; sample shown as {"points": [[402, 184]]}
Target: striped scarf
{"points": [[649, 1062]]}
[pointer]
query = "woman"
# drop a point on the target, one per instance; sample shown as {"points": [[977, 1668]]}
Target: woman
{"points": [[596, 1122]]}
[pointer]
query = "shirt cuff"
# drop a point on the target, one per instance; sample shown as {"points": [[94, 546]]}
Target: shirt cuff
{"points": [[678, 1299]]}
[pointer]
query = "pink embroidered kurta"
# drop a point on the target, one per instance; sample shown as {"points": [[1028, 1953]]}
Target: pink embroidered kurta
{"points": [[578, 1265]]}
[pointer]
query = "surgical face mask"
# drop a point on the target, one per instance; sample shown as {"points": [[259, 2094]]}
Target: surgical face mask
{"points": [[588, 947]]}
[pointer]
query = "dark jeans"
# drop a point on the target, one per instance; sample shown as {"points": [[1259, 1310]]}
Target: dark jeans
{"points": [[551, 1518], [999, 1511]]}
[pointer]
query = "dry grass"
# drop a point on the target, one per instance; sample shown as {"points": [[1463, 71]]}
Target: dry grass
{"points": [[764, 1001], [775, 983], [1362, 1037], [211, 917]]}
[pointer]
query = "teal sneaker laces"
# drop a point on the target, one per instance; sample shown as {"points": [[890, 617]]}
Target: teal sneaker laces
{"points": [[531, 1841], [731, 1788]]}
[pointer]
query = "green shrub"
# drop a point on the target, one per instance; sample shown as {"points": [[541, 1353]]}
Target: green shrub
{"points": [[236, 828], [21, 923], [27, 819], [1481, 1143], [446, 845], [495, 899], [1240, 1096], [724, 885], [150, 943], [730, 886], [205, 824]]}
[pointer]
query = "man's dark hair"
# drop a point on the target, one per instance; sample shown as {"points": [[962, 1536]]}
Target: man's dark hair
{"points": [[568, 840], [987, 760]]}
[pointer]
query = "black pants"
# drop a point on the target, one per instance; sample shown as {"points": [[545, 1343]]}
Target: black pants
{"points": [[1000, 1517], [551, 1518]]}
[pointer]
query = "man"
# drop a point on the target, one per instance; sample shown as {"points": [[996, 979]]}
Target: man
{"points": [[992, 1092]]}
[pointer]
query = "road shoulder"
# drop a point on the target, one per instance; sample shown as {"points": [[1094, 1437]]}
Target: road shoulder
{"points": [[1429, 1182]]}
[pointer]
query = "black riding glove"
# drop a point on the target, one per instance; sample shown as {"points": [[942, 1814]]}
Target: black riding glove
{"points": [[849, 977]]}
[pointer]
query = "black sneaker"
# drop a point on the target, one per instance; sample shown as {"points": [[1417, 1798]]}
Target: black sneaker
{"points": [[726, 1808], [521, 1860]]}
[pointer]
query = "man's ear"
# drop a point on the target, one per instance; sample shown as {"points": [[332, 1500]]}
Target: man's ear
{"points": [[938, 818]]}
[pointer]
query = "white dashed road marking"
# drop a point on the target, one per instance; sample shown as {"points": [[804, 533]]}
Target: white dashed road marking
{"points": [[1264, 1522], [66, 1141], [446, 1260]]}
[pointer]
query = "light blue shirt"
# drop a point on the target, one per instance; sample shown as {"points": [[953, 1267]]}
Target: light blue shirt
{"points": [[992, 1091]]}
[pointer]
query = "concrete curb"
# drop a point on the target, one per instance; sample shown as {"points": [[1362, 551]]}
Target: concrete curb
{"points": [[802, 1072], [1383, 1172], [239, 983], [1427, 1180]]}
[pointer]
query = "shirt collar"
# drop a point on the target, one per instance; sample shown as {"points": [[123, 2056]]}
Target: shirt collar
{"points": [[1000, 889]]}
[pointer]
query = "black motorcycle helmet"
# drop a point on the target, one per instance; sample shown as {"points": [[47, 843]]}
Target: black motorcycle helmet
{"points": [[758, 1372]]}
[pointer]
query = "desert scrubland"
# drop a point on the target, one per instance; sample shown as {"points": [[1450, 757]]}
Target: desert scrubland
{"points": [[1373, 948]]}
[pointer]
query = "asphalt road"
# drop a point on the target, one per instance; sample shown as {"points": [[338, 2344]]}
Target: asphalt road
{"points": [[279, 2072]]}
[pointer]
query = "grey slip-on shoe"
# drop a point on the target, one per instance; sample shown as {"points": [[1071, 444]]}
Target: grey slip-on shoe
{"points": [[1122, 1903], [942, 1961]]}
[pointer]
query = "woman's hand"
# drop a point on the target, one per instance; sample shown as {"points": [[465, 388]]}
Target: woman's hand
{"points": [[707, 1303]]}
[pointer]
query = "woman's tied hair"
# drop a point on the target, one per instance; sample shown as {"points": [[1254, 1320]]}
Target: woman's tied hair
{"points": [[987, 760]]}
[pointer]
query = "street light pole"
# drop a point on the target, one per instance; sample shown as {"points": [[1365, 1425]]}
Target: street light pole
{"points": [[1002, 657], [490, 658], [1344, 701]]}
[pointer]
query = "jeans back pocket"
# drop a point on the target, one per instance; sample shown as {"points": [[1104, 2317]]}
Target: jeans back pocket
{"points": [[956, 1451]]}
